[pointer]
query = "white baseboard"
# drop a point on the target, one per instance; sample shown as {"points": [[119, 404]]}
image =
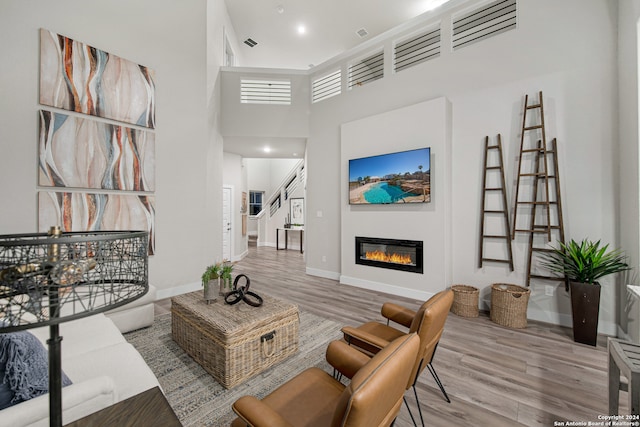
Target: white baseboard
{"points": [[240, 257], [604, 327], [178, 290], [387, 289], [323, 273]]}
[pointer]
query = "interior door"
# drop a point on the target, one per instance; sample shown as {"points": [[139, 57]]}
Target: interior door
{"points": [[226, 223]]}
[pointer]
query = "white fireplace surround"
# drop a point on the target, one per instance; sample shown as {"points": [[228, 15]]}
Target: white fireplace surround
{"points": [[427, 124]]}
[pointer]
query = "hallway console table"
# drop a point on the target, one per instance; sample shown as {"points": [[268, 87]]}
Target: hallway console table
{"points": [[286, 237]]}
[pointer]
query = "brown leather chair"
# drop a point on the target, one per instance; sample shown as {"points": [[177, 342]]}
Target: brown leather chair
{"points": [[316, 399], [428, 322]]}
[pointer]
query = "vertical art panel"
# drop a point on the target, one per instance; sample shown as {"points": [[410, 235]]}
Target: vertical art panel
{"points": [[77, 77], [84, 153], [92, 212]]}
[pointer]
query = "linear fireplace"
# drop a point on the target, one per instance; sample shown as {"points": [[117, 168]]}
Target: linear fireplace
{"points": [[405, 255]]}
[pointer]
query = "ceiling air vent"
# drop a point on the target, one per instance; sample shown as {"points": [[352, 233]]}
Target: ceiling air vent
{"points": [[327, 86], [265, 92], [366, 70], [490, 20], [416, 49], [250, 42], [362, 33]]}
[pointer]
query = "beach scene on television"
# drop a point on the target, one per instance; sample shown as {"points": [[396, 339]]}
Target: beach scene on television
{"points": [[402, 177]]}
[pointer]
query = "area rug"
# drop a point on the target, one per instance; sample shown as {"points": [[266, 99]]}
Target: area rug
{"points": [[196, 398]]}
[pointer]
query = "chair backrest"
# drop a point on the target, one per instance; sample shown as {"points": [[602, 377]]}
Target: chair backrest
{"points": [[373, 398], [428, 323]]}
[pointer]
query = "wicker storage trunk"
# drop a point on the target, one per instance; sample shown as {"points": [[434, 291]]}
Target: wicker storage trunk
{"points": [[234, 342], [465, 300], [509, 305]]}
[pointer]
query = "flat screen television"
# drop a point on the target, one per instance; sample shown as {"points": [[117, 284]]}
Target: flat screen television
{"points": [[392, 178]]}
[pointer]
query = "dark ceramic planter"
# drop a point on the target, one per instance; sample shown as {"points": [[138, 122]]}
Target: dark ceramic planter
{"points": [[585, 307]]}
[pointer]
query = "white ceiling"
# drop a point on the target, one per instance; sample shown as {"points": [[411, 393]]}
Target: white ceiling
{"points": [[331, 27]]}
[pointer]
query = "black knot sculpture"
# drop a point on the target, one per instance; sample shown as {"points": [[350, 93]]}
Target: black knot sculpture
{"points": [[242, 293]]}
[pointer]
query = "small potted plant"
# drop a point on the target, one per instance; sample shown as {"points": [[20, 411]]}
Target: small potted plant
{"points": [[225, 277], [210, 279], [583, 264]]}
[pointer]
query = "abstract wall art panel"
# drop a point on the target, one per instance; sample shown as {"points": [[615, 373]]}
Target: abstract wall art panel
{"points": [[92, 212], [86, 153], [77, 77]]}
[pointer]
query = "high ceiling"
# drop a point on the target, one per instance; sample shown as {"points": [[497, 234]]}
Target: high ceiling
{"points": [[330, 27]]}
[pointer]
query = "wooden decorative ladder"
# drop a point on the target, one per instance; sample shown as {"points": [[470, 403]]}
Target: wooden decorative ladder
{"points": [[532, 154], [544, 198], [496, 187], [554, 227]]}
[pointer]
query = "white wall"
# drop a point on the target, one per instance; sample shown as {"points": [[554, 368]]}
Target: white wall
{"points": [[268, 174], [252, 120], [629, 189], [573, 61], [171, 38]]}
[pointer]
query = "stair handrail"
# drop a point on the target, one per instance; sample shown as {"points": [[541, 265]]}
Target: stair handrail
{"points": [[294, 172]]}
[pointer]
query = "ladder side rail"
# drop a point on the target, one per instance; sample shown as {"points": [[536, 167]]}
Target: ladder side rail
{"points": [[556, 173], [532, 222], [515, 207], [505, 205], [482, 205], [546, 165]]}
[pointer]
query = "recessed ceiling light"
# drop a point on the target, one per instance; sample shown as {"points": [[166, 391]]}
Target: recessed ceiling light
{"points": [[302, 29], [267, 149]]}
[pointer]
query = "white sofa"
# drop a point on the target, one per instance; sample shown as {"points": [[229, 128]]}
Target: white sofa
{"points": [[103, 367], [135, 315]]}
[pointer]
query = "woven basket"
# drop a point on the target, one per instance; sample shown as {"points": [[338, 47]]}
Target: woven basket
{"points": [[509, 305], [465, 300]]}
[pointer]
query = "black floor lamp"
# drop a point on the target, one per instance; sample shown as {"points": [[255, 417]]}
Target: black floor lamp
{"points": [[50, 278]]}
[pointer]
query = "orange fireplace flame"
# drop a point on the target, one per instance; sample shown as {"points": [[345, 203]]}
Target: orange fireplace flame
{"points": [[385, 257]]}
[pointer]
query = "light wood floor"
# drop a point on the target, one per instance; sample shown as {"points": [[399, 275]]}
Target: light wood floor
{"points": [[495, 376]]}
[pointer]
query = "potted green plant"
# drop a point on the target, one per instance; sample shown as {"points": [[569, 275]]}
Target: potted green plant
{"points": [[225, 275], [210, 279], [583, 264]]}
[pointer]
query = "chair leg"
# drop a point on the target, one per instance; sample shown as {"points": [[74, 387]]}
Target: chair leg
{"points": [[415, 393], [435, 377], [409, 409]]}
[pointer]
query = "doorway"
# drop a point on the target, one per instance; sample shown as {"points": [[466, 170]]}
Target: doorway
{"points": [[227, 225]]}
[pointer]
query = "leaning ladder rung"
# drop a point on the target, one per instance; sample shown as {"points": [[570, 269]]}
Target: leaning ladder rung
{"points": [[532, 127], [493, 211], [537, 203], [493, 147], [543, 250], [546, 227], [493, 189], [529, 107], [524, 230], [495, 236], [493, 167], [540, 276], [496, 260], [534, 174]]}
